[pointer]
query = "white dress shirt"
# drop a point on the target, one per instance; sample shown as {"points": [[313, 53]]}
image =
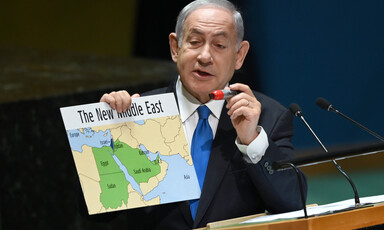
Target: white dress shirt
{"points": [[189, 117]]}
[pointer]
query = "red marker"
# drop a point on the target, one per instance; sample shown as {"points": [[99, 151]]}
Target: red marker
{"points": [[222, 94]]}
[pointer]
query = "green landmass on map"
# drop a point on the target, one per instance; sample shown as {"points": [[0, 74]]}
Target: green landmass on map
{"points": [[113, 183], [112, 180], [136, 162]]}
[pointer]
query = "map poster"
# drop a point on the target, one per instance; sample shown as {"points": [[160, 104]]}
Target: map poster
{"points": [[132, 159]]}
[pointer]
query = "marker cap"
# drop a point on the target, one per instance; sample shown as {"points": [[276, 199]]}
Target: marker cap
{"points": [[217, 95]]}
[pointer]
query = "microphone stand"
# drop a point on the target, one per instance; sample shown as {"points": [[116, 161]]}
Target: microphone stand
{"points": [[357, 199], [326, 105], [299, 178], [356, 123]]}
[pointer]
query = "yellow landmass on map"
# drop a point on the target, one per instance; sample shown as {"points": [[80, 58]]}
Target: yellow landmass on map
{"points": [[89, 178], [85, 163], [176, 140], [122, 207], [120, 131], [170, 129], [146, 187], [150, 136], [163, 172], [154, 201], [104, 128], [135, 199], [164, 135], [127, 137], [91, 190], [154, 181]]}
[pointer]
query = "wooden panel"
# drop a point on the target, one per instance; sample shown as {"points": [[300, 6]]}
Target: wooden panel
{"points": [[358, 218]]}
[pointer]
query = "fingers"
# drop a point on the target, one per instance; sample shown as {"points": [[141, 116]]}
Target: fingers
{"points": [[241, 87], [135, 95], [120, 100], [251, 114], [244, 103], [250, 108], [244, 110]]}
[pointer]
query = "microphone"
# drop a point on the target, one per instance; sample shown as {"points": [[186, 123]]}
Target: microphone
{"points": [[296, 110], [324, 104]]}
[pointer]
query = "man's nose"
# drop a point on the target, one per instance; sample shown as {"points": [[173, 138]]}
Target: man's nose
{"points": [[205, 56]]}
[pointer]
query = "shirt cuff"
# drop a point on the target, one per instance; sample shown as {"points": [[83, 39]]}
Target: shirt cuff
{"points": [[256, 149]]}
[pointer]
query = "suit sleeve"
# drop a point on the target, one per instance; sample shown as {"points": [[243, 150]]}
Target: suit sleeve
{"points": [[279, 190]]}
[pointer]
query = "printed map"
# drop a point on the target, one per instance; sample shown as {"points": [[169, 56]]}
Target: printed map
{"points": [[134, 164]]}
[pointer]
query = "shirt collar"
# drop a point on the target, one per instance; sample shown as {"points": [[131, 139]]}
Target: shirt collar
{"points": [[188, 103]]}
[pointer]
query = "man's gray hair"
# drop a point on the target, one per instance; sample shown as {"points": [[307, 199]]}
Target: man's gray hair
{"points": [[239, 26]]}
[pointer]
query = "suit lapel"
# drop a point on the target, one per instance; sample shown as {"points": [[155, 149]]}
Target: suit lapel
{"points": [[172, 89], [221, 154]]}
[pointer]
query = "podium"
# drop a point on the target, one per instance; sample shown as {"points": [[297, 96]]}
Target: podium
{"points": [[356, 218], [352, 219]]}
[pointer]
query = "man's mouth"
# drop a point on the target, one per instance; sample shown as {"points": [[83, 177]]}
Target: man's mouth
{"points": [[202, 73]]}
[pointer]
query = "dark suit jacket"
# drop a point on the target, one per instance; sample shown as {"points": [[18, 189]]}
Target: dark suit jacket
{"points": [[233, 187]]}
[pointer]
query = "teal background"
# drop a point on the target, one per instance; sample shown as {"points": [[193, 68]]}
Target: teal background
{"points": [[302, 50], [331, 187]]}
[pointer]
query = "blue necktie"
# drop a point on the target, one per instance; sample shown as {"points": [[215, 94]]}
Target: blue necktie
{"points": [[200, 150]]}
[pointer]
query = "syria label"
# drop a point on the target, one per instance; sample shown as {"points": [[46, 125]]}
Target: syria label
{"points": [[97, 114]]}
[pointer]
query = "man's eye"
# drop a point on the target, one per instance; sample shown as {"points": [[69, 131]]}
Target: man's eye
{"points": [[194, 43], [220, 46]]}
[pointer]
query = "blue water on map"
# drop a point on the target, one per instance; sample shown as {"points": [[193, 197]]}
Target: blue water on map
{"points": [[88, 137], [150, 155], [175, 183], [140, 122], [179, 183], [128, 177]]}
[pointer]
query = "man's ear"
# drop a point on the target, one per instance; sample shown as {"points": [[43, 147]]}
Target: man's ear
{"points": [[241, 54], [174, 46]]}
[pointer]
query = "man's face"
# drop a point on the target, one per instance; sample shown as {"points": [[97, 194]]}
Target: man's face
{"points": [[207, 57]]}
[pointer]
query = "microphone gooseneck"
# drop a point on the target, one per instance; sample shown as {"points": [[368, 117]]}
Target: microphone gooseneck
{"points": [[296, 110], [326, 105]]}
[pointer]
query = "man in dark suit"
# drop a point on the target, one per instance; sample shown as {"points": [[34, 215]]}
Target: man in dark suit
{"points": [[250, 130]]}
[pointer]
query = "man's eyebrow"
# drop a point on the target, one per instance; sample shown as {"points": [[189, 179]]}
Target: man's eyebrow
{"points": [[196, 31], [221, 33], [217, 34]]}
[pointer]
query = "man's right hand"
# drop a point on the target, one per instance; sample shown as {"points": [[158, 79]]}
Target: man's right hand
{"points": [[120, 100]]}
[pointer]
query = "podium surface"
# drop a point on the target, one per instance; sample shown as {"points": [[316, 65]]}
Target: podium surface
{"points": [[352, 219]]}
